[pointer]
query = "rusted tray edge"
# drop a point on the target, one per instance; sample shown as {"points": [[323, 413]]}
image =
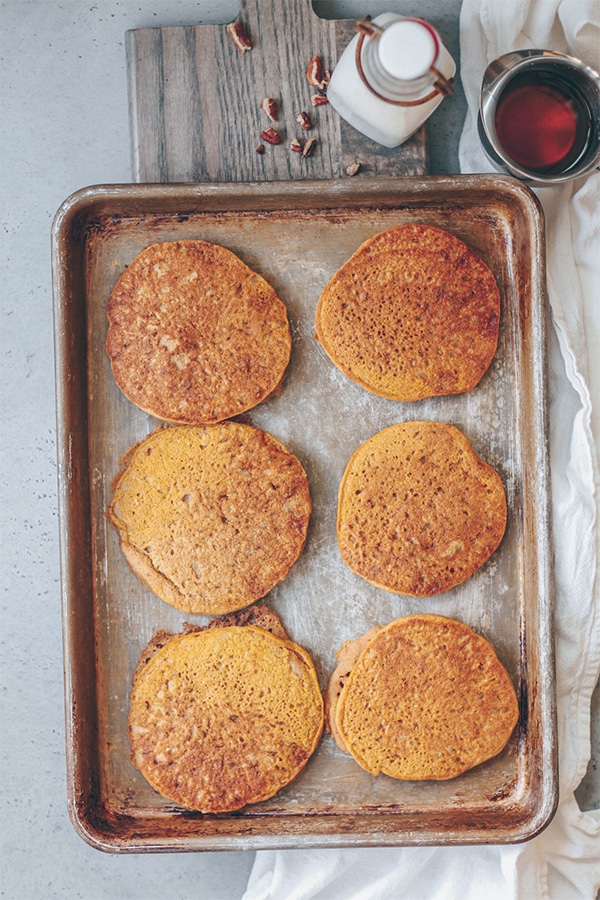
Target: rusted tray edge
{"points": [[73, 481], [292, 195], [109, 834]]}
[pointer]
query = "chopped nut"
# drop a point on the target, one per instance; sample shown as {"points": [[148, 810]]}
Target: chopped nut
{"points": [[324, 84], [239, 37], [314, 71], [260, 148], [271, 107], [309, 146], [296, 145], [303, 119], [270, 136], [353, 169], [318, 100]]}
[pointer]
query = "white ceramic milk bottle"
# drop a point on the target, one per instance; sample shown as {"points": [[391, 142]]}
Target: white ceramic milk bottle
{"points": [[391, 77]]}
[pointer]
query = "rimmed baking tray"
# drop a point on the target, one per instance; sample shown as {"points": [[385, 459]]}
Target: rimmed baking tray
{"points": [[296, 235]]}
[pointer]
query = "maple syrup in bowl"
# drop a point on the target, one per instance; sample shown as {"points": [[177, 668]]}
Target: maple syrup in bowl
{"points": [[539, 116]]}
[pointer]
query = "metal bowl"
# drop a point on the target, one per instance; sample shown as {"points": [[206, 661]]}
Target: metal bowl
{"points": [[574, 77]]}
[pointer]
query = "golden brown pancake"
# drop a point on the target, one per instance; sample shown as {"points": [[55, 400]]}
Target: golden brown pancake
{"points": [[424, 697], [224, 716], [195, 335], [211, 518], [418, 511], [413, 313], [258, 614]]}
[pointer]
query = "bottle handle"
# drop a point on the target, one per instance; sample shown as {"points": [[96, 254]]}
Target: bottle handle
{"points": [[441, 85]]}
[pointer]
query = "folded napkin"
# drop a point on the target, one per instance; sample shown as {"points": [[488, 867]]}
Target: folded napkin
{"points": [[563, 863]]}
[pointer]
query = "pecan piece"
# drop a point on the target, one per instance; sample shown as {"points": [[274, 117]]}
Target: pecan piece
{"points": [[270, 136], [260, 148], [319, 100], [314, 71], [309, 146], [353, 169], [239, 36], [271, 107], [324, 84], [296, 145], [303, 119]]}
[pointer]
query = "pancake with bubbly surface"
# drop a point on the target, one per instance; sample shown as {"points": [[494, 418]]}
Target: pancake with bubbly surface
{"points": [[224, 716], [418, 511], [211, 518], [413, 313], [196, 336], [424, 697]]}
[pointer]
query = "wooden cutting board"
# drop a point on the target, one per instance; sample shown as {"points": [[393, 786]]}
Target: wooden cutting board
{"points": [[195, 102]]}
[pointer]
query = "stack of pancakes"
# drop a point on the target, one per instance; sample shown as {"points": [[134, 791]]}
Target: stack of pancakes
{"points": [[422, 698], [224, 716]]}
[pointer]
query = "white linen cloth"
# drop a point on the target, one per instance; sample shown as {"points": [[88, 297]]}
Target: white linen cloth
{"points": [[563, 863]]}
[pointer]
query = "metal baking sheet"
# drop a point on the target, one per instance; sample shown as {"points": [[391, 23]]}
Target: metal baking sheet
{"points": [[296, 235]]}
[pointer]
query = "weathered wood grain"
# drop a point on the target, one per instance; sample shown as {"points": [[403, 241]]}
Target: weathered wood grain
{"points": [[195, 102]]}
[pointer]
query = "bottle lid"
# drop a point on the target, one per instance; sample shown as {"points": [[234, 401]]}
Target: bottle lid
{"points": [[407, 49]]}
